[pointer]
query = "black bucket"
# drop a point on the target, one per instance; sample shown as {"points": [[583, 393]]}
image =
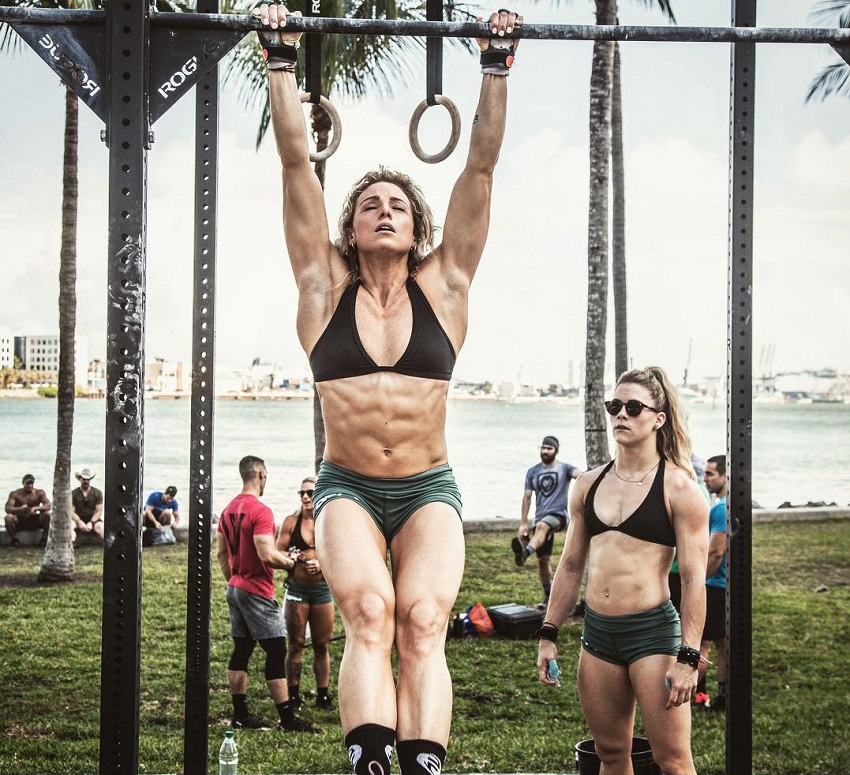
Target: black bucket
{"points": [[587, 762]]}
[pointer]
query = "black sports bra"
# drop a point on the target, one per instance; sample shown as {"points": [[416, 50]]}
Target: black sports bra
{"points": [[648, 522], [339, 352], [297, 540]]}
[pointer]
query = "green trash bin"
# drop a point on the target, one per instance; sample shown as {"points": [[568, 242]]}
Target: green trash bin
{"points": [[587, 762]]}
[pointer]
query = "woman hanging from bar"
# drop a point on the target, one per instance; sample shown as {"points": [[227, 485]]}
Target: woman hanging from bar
{"points": [[382, 314], [628, 519]]}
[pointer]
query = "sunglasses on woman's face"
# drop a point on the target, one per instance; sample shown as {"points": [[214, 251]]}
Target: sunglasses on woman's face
{"points": [[633, 407], [302, 493]]}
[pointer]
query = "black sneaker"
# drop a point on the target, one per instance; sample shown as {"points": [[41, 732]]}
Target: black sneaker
{"points": [[250, 722], [298, 725], [325, 703], [579, 609], [519, 551], [719, 703], [543, 604]]}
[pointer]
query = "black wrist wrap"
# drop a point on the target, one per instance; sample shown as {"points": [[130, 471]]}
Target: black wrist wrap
{"points": [[497, 56], [688, 656], [280, 53], [547, 632]]}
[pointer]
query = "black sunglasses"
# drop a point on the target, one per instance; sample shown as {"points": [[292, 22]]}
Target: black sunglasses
{"points": [[302, 493], [633, 407]]}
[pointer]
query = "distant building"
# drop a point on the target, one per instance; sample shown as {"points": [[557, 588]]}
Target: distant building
{"points": [[7, 349], [40, 353], [166, 376]]}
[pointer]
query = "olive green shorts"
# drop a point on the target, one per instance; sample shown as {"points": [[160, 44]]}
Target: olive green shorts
{"points": [[622, 640], [390, 502], [307, 594]]}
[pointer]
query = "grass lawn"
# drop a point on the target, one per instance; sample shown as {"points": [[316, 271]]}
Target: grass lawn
{"points": [[504, 720]]}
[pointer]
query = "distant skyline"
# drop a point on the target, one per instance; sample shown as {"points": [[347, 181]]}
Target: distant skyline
{"points": [[527, 305]]}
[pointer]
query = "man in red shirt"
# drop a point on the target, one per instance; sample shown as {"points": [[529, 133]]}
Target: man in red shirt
{"points": [[246, 554]]}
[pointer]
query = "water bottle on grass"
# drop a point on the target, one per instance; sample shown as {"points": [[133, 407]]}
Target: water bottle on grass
{"points": [[228, 755]]}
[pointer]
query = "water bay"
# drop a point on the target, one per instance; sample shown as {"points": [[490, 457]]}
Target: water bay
{"points": [[801, 452]]}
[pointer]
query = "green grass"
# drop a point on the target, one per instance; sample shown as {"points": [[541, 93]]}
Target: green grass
{"points": [[504, 720]]}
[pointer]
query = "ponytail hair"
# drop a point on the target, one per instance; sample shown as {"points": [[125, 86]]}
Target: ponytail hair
{"points": [[672, 439]]}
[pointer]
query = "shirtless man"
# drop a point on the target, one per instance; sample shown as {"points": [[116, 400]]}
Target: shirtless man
{"points": [[27, 508]]}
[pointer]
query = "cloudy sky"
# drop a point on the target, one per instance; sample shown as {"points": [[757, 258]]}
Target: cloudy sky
{"points": [[528, 301]]}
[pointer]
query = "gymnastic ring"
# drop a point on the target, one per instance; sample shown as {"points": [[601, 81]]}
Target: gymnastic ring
{"points": [[413, 132], [336, 125]]}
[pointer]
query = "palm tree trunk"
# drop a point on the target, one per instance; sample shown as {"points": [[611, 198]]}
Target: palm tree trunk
{"points": [[595, 432], [321, 124], [618, 222], [58, 561]]}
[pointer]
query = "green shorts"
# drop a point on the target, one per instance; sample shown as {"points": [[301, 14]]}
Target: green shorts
{"points": [[622, 640], [390, 502], [307, 594]]}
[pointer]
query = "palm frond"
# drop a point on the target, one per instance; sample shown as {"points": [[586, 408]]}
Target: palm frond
{"points": [[664, 6], [833, 80], [831, 11]]}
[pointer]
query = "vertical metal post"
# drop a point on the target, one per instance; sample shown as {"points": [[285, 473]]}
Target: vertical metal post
{"points": [[739, 389], [128, 137], [196, 727]]}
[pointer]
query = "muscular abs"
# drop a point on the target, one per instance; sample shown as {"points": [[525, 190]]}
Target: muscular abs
{"points": [[385, 425]]}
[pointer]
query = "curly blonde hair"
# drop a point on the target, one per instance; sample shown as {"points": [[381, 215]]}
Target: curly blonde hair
{"points": [[423, 219]]}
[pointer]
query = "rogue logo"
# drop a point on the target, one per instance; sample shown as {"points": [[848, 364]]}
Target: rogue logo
{"points": [[317, 7], [76, 72], [179, 78]]}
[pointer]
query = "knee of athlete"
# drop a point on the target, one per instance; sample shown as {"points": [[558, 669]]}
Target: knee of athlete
{"points": [[275, 666], [242, 649], [371, 620], [612, 751], [674, 761], [421, 628], [296, 640], [320, 650]]}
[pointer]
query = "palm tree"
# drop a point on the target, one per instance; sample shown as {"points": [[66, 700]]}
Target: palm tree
{"points": [[601, 74], [349, 65], [58, 561], [606, 145], [834, 79]]}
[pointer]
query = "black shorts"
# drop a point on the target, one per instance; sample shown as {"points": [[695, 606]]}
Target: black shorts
{"points": [[29, 522], [715, 613]]}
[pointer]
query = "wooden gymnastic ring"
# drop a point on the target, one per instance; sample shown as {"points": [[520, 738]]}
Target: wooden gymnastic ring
{"points": [[413, 131], [336, 125]]}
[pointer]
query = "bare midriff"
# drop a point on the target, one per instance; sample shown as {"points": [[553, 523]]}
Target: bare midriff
{"points": [[385, 425], [626, 575]]}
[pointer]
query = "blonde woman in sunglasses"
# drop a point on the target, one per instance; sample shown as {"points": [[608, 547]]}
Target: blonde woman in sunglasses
{"points": [[629, 518]]}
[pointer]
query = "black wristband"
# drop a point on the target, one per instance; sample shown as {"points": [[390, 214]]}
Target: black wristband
{"points": [[547, 632], [689, 656], [497, 56], [285, 53]]}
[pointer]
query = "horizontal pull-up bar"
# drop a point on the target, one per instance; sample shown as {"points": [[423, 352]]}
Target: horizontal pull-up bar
{"points": [[530, 31]]}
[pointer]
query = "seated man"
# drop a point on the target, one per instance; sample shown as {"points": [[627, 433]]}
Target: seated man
{"points": [[86, 506], [27, 508], [160, 517]]}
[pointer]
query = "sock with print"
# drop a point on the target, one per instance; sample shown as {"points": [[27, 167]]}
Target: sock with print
{"points": [[370, 749], [420, 757]]}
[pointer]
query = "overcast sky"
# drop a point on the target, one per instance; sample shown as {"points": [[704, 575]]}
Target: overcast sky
{"points": [[528, 302]]}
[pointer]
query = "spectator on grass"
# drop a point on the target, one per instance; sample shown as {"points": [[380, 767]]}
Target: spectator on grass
{"points": [[161, 517], [86, 506], [27, 508], [308, 600], [246, 554]]}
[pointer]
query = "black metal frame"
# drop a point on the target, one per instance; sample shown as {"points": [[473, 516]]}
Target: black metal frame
{"points": [[149, 61]]}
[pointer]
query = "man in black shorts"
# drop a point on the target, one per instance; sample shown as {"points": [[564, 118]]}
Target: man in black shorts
{"points": [[27, 508]]}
